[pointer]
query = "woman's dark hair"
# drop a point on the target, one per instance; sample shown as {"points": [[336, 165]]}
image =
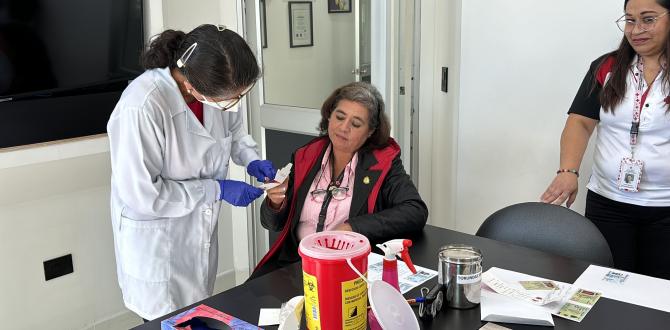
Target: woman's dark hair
{"points": [[614, 90], [369, 97], [221, 64]]}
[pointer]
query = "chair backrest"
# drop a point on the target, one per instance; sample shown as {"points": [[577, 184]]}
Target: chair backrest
{"points": [[549, 228]]}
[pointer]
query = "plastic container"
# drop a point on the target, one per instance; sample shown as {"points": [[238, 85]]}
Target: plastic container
{"points": [[460, 271], [335, 296], [390, 308]]}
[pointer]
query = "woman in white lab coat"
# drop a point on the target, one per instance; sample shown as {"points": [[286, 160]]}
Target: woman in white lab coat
{"points": [[171, 136]]}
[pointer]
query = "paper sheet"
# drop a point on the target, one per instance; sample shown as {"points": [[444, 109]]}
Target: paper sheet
{"points": [[288, 317], [536, 297], [512, 297], [493, 326], [406, 279], [628, 287], [281, 175], [268, 316], [500, 308]]}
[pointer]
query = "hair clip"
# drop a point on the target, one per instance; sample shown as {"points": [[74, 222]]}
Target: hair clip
{"points": [[221, 27], [181, 62]]}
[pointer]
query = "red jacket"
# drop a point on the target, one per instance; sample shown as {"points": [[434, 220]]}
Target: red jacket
{"points": [[400, 208]]}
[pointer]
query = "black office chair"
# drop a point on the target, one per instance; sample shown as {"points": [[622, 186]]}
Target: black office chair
{"points": [[549, 228]]}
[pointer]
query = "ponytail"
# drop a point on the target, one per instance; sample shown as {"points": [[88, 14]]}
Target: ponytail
{"points": [[162, 51]]}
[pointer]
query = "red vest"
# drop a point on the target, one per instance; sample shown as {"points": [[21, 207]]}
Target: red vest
{"points": [[306, 157]]}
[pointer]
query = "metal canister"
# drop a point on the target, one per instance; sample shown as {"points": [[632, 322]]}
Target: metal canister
{"points": [[460, 271]]}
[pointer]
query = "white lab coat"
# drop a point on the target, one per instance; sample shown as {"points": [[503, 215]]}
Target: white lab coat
{"points": [[164, 199]]}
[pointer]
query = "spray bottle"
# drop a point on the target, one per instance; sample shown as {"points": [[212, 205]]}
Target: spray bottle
{"points": [[392, 248]]}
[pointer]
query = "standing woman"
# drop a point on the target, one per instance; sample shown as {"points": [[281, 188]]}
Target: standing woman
{"points": [[171, 136], [626, 96]]}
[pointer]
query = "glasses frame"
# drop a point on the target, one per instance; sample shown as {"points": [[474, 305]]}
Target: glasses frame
{"points": [[231, 102], [318, 193], [228, 103], [224, 104], [625, 21]]}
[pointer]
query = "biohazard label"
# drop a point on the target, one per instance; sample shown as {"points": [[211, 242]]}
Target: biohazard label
{"points": [[354, 304], [312, 315]]}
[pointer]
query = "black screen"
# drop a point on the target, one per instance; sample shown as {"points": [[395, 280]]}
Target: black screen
{"points": [[64, 63], [57, 45]]}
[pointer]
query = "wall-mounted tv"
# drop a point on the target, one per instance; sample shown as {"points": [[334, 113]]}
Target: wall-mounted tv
{"points": [[63, 65]]}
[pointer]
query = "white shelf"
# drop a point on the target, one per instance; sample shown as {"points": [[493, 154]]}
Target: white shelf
{"points": [[55, 150]]}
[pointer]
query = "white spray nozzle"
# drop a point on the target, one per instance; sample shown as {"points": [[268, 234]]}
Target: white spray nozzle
{"points": [[392, 248], [400, 248]]}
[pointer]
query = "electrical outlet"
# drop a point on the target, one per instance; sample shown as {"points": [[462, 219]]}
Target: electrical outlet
{"points": [[58, 267]]}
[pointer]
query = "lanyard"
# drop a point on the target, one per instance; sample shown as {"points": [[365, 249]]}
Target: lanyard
{"points": [[640, 99], [329, 193]]}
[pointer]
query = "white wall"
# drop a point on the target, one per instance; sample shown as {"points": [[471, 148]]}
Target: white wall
{"points": [[437, 114], [54, 200], [520, 65], [185, 16], [305, 76], [49, 209]]}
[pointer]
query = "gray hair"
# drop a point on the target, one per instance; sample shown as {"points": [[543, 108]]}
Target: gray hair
{"points": [[369, 97]]}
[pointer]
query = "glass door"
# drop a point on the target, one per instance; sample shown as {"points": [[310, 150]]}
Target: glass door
{"points": [[362, 47], [301, 70]]}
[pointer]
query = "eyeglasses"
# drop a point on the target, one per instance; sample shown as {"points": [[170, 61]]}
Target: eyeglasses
{"points": [[646, 23], [229, 103], [224, 104], [338, 193]]}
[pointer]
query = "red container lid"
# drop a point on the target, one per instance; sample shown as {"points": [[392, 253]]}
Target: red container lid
{"points": [[334, 245]]}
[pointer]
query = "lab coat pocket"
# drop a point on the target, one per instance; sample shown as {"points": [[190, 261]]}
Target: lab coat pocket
{"points": [[144, 246]]}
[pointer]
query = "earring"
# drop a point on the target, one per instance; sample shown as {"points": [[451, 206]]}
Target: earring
{"points": [[189, 91]]}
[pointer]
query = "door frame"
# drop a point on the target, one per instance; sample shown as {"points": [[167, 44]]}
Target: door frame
{"points": [[283, 118]]}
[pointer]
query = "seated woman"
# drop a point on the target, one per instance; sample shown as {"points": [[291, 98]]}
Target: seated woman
{"points": [[350, 178]]}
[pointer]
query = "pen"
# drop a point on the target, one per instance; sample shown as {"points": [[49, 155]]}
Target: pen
{"points": [[412, 301]]}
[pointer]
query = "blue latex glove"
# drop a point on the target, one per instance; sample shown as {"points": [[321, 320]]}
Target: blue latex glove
{"points": [[238, 193], [262, 170]]}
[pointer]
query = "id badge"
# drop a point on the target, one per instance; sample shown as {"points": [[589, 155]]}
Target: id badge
{"points": [[630, 172]]}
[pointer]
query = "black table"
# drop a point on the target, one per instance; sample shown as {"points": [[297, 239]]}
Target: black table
{"points": [[271, 290]]}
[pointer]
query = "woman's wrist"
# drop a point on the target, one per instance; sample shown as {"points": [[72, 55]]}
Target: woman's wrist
{"points": [[568, 170], [275, 206]]}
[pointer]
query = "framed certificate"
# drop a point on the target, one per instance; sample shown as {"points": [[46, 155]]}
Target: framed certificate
{"points": [[339, 6], [300, 23]]}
